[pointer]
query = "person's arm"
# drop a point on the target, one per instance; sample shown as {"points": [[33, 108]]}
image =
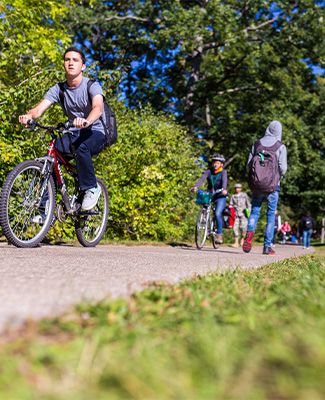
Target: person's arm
{"points": [[313, 224], [283, 166], [95, 113], [231, 201], [248, 203], [224, 181], [35, 112], [200, 181]]}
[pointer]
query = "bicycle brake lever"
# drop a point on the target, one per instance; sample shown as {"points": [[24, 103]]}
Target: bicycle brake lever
{"points": [[31, 125]]}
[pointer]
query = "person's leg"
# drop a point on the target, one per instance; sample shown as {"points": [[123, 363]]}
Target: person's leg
{"points": [[272, 202], [220, 205], [88, 144], [63, 144], [243, 228], [255, 213], [252, 222], [309, 233], [236, 232], [274, 236], [304, 238]]}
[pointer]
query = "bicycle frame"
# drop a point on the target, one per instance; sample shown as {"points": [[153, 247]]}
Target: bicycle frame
{"points": [[52, 162]]}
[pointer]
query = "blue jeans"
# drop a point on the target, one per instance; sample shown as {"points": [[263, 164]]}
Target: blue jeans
{"points": [[272, 202], [220, 205], [306, 236], [86, 143]]}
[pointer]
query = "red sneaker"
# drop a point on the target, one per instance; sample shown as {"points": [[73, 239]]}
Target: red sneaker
{"points": [[248, 242]]}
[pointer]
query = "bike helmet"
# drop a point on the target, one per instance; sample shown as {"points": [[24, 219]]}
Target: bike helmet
{"points": [[218, 157]]}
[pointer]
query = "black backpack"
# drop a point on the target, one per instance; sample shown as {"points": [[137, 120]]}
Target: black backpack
{"points": [[110, 127], [264, 174]]}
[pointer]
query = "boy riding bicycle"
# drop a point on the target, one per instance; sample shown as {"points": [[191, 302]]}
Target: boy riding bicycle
{"points": [[84, 108], [217, 183]]}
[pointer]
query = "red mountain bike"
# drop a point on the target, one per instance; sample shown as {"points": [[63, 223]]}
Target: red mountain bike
{"points": [[28, 202]]}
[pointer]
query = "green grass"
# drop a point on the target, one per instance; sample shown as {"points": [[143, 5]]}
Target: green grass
{"points": [[238, 335]]}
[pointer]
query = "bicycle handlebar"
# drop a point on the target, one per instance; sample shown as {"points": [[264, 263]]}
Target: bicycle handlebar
{"points": [[60, 127]]}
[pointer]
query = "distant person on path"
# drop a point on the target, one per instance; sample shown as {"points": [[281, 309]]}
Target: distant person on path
{"points": [[285, 230], [240, 202], [217, 179], [84, 109], [306, 227], [267, 164]]}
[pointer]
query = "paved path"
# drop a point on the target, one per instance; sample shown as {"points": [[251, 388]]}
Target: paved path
{"points": [[46, 281]]}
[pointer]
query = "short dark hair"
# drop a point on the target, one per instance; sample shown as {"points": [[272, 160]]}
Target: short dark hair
{"points": [[73, 48]]}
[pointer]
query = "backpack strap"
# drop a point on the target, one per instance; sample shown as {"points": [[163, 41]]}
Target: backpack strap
{"points": [[89, 85], [61, 94], [259, 147]]}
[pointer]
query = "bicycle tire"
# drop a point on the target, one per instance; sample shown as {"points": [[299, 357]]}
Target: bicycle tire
{"points": [[201, 228], [212, 234], [84, 218], [19, 204]]}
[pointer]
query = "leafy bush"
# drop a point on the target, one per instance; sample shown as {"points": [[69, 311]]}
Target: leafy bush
{"points": [[149, 172]]}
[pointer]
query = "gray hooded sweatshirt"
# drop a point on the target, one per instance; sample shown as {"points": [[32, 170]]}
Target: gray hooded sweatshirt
{"points": [[273, 133]]}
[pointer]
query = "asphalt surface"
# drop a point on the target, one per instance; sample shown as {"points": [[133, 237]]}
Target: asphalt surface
{"points": [[48, 280]]}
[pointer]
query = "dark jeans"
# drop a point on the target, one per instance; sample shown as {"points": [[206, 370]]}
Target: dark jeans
{"points": [[86, 143]]}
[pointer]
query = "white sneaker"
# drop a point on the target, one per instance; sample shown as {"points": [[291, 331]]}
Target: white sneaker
{"points": [[90, 198], [38, 219]]}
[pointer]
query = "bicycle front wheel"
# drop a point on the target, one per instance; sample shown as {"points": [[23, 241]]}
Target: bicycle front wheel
{"points": [[201, 228], [213, 234], [91, 225], [27, 204]]}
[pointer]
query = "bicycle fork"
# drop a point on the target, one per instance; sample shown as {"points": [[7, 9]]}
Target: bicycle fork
{"points": [[50, 165]]}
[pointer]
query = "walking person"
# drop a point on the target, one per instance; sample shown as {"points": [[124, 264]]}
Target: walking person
{"points": [[267, 164], [241, 203], [217, 179], [306, 227], [84, 109]]}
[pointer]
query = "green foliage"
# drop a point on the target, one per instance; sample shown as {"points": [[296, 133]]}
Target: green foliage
{"points": [[32, 36], [227, 68], [148, 171], [237, 335]]}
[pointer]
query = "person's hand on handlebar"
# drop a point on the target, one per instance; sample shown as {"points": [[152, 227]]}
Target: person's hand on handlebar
{"points": [[81, 123], [224, 192], [23, 119]]}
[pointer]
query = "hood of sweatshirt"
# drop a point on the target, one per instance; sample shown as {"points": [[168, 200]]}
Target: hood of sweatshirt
{"points": [[272, 134]]}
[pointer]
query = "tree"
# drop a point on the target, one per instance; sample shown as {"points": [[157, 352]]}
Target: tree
{"points": [[32, 36], [225, 68]]}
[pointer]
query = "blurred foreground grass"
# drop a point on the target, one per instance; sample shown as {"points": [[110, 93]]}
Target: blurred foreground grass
{"points": [[238, 335]]}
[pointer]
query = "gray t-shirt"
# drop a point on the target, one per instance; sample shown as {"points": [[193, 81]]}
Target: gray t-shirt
{"points": [[76, 100]]}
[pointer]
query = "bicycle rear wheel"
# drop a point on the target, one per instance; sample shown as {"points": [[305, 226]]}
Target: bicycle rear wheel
{"points": [[91, 225], [201, 228], [27, 204]]}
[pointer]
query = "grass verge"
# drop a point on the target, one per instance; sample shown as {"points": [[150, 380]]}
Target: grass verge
{"points": [[237, 335]]}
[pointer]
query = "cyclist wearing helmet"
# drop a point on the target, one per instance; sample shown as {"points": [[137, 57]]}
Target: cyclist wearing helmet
{"points": [[217, 179]]}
